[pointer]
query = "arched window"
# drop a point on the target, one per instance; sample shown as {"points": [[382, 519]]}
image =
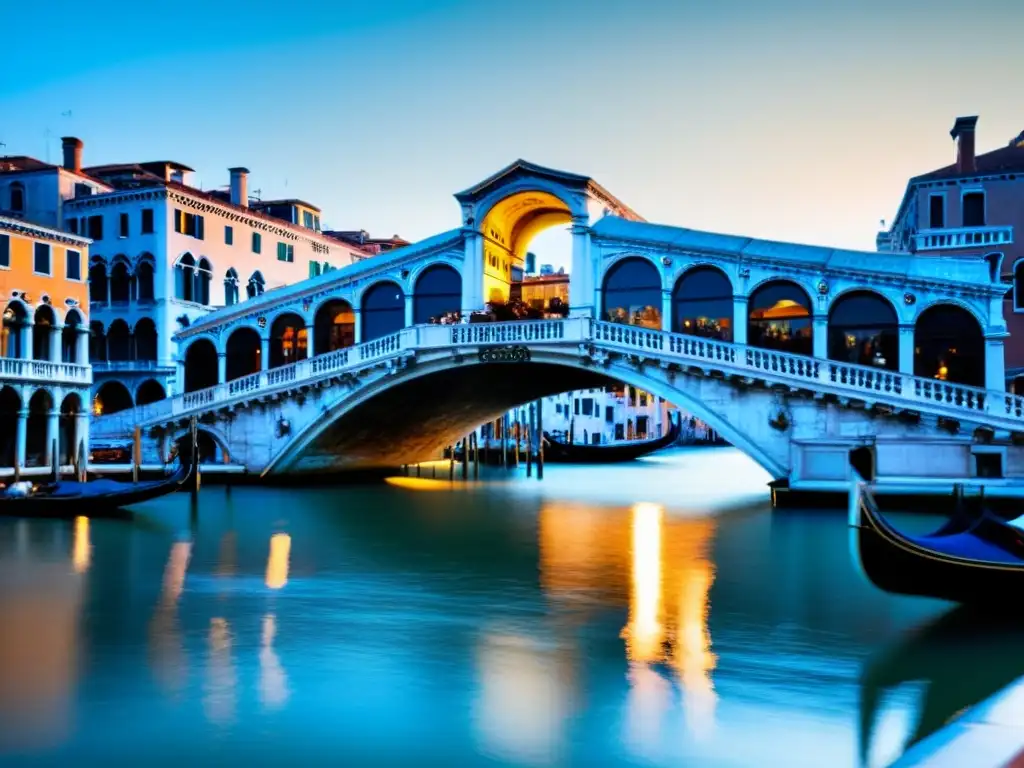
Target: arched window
{"points": [[949, 345], [70, 407], [200, 365], [244, 353], [383, 310], [1018, 284], [863, 329], [15, 318], [144, 273], [632, 294], [112, 397], [69, 337], [119, 288], [97, 342], [438, 291], [287, 340], [149, 391], [98, 281], [44, 321], [119, 342], [702, 304], [204, 275], [779, 317], [145, 340], [334, 326], [230, 287], [185, 278], [10, 405], [255, 285], [17, 197], [39, 407]]}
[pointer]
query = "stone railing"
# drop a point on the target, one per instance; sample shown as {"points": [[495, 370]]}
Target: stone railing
{"points": [[798, 371], [962, 237], [16, 371]]}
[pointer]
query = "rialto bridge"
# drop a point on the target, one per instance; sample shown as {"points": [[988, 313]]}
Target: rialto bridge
{"points": [[796, 354]]}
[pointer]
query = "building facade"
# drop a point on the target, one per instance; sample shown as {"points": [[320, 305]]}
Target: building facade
{"points": [[972, 208], [45, 376]]}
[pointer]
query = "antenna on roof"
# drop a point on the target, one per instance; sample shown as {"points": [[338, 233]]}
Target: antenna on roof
{"points": [[256, 193]]}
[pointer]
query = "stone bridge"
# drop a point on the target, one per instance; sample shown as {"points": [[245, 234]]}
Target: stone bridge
{"points": [[795, 354]]}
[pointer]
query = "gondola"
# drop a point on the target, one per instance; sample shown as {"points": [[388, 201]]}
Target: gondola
{"points": [[557, 452], [94, 498], [971, 559]]}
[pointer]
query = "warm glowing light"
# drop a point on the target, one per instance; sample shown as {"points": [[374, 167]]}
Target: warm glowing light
{"points": [[643, 634], [693, 658], [220, 695], [273, 681], [420, 483], [81, 553], [277, 562], [943, 372], [174, 573]]}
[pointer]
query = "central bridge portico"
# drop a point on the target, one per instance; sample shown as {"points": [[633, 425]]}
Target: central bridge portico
{"points": [[345, 371]]}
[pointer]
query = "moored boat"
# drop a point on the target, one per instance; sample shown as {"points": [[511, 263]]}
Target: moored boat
{"points": [[557, 452]]}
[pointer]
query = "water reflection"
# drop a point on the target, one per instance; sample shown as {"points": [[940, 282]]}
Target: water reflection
{"points": [[81, 551], [168, 656], [220, 700], [277, 560], [273, 680]]}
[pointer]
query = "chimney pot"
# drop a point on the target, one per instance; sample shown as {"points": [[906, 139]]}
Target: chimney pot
{"points": [[963, 135], [239, 186], [72, 153]]}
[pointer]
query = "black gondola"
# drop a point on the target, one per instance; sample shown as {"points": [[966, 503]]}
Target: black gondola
{"points": [[94, 498], [971, 559], [557, 452]]}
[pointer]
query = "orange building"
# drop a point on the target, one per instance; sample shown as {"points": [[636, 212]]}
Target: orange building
{"points": [[45, 375]]}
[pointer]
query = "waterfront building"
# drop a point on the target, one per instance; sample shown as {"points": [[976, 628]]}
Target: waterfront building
{"points": [[45, 375], [972, 208]]}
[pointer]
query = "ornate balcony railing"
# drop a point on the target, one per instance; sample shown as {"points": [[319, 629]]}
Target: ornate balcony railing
{"points": [[963, 237], [16, 371]]}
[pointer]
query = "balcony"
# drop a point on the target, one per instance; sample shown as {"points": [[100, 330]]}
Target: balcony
{"points": [[16, 371], [124, 366], [963, 237]]}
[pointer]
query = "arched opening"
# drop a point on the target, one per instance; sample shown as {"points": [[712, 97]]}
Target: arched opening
{"points": [[230, 288], [383, 310], [144, 279], [204, 275], [779, 317], [15, 318], [44, 322], [244, 353], [98, 280], [206, 446], [185, 278], [10, 404], [17, 193], [149, 391], [111, 397], [949, 346], [69, 337], [255, 285], [631, 294], [68, 427], [120, 291], [145, 340], [1018, 385], [119, 341], [438, 292], [97, 342], [40, 405], [702, 304], [287, 340], [201, 369], [334, 326], [863, 329]]}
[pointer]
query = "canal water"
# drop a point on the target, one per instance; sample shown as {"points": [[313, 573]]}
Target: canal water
{"points": [[656, 614]]}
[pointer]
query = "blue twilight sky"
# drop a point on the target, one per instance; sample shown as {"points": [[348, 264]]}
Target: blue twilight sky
{"points": [[787, 119]]}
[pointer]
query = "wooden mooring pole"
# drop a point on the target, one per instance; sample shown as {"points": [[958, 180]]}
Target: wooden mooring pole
{"points": [[476, 456], [529, 441], [540, 439], [465, 458], [136, 453]]}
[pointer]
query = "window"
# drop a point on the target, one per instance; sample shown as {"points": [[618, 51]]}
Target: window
{"points": [[147, 221], [17, 197], [123, 231], [285, 252], [5, 250], [620, 432], [576, 407], [257, 242], [190, 224], [41, 262], [96, 227], [643, 399], [307, 219], [74, 265], [588, 406], [229, 235], [1018, 283], [314, 269], [82, 190], [72, 226], [974, 209], [316, 223], [937, 211], [609, 414]]}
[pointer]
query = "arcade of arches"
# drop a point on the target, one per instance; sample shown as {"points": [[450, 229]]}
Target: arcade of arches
{"points": [[37, 335], [30, 429], [114, 396]]}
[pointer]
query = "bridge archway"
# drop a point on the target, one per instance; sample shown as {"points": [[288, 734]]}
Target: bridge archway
{"points": [[288, 342], [383, 310], [631, 293], [437, 292], [702, 304], [863, 329], [200, 365], [111, 397], [10, 404], [949, 345], [244, 353], [149, 391], [334, 326], [779, 317]]}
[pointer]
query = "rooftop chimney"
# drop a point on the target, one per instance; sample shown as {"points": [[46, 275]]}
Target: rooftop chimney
{"points": [[963, 135], [72, 153], [239, 186]]}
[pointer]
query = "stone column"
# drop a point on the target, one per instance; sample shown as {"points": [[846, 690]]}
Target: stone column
{"points": [[995, 363], [907, 349], [81, 438], [581, 280], [82, 346], [179, 379], [264, 353], [739, 319], [408, 310], [357, 318], [20, 439], [26, 340], [310, 341], [666, 310], [52, 433], [222, 369], [473, 298], [56, 338], [819, 336]]}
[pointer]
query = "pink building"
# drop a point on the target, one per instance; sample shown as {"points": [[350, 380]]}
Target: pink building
{"points": [[974, 207]]}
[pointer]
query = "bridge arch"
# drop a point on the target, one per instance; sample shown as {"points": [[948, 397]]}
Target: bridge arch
{"points": [[334, 326], [436, 291], [149, 391], [288, 339], [631, 292], [111, 397], [201, 364], [949, 344], [210, 439], [243, 352], [863, 328], [702, 303], [779, 316], [382, 309]]}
